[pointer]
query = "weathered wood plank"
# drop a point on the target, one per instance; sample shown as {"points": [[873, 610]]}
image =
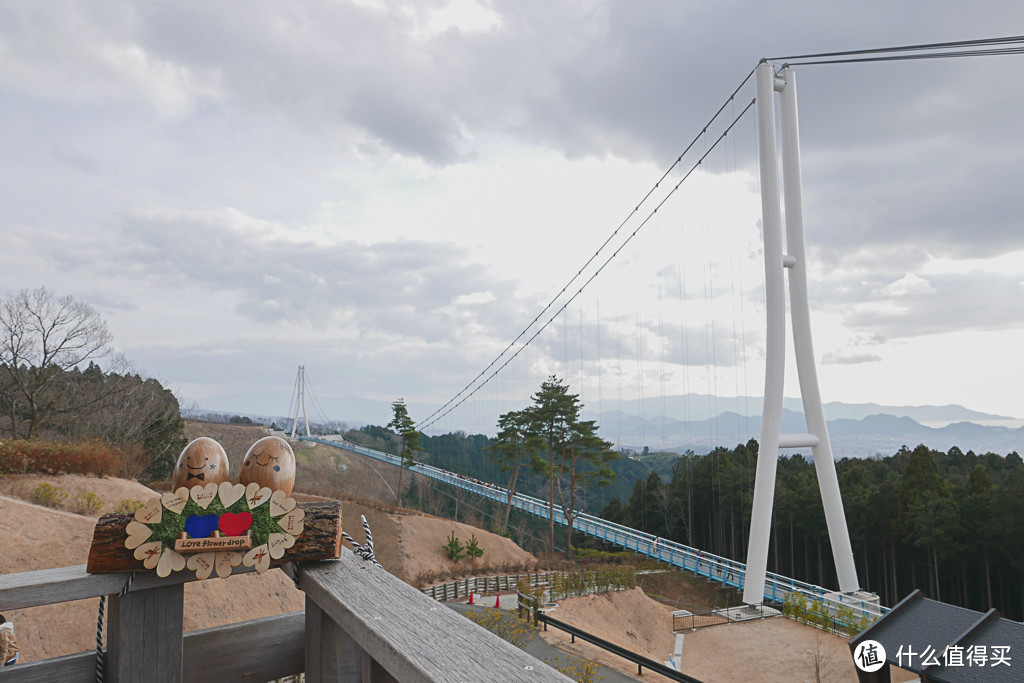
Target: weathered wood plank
{"points": [[257, 650], [64, 584], [408, 634], [331, 654], [144, 635], [76, 668], [319, 540], [254, 651]]}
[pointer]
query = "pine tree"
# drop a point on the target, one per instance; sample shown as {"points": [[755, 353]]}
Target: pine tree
{"points": [[409, 439]]}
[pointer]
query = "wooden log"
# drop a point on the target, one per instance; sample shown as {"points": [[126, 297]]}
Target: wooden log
{"points": [[320, 540]]}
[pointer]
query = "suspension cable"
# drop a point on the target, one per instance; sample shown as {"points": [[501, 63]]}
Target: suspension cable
{"points": [[429, 419], [452, 405]]}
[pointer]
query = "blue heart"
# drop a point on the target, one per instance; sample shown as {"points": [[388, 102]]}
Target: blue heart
{"points": [[200, 526]]}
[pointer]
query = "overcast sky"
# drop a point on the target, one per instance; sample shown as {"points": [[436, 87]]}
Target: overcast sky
{"points": [[389, 192]]}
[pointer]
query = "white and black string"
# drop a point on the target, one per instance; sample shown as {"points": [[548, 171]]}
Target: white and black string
{"points": [[365, 550], [101, 653]]}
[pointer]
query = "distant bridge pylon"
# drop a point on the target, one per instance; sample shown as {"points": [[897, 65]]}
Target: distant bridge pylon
{"points": [[300, 403]]}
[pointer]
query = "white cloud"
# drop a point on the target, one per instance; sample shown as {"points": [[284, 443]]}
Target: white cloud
{"points": [[395, 189], [909, 284]]}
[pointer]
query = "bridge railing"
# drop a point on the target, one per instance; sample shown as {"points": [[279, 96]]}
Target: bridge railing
{"points": [[713, 567], [360, 624]]}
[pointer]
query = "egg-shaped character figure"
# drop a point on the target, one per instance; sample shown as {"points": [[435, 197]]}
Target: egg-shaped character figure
{"points": [[202, 462], [270, 462]]}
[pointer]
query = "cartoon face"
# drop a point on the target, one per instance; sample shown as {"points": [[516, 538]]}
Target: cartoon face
{"points": [[271, 463], [202, 462]]}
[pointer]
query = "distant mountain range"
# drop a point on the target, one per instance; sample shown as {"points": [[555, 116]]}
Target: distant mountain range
{"points": [[701, 422], [855, 430]]}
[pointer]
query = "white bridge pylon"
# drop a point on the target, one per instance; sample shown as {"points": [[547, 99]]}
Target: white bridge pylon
{"points": [[300, 403], [776, 262]]}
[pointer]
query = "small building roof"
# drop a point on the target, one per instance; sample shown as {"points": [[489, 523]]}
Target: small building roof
{"points": [[945, 643]]}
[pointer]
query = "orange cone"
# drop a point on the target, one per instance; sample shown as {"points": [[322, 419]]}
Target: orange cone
{"points": [[470, 597], [497, 602]]}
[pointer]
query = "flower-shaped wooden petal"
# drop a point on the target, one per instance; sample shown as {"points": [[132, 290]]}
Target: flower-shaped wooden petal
{"points": [[225, 561], [280, 503], [292, 522], [257, 495], [150, 513], [203, 495], [170, 561], [175, 500], [202, 564], [230, 493], [278, 543], [149, 553], [258, 557], [138, 533]]}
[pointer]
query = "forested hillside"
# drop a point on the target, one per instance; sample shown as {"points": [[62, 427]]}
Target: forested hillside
{"points": [[949, 523]]}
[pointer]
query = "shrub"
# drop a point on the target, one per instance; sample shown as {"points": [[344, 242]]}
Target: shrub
{"points": [[51, 457], [576, 668], [48, 495], [129, 506], [473, 549], [454, 548], [88, 503], [507, 625]]}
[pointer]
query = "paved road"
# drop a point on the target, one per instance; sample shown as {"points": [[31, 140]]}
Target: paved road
{"points": [[538, 647]]}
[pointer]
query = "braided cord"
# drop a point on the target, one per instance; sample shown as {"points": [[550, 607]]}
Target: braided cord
{"points": [[101, 653], [365, 550]]}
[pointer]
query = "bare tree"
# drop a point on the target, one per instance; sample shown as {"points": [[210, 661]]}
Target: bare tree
{"points": [[43, 336]]}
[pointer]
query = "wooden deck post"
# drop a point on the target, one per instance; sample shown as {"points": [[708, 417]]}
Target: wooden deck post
{"points": [[144, 635], [331, 654]]}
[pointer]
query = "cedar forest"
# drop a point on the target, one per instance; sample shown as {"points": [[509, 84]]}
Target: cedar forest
{"points": [[949, 523]]}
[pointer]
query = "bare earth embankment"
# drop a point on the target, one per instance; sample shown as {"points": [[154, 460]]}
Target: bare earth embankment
{"points": [[773, 649], [32, 537], [409, 545]]}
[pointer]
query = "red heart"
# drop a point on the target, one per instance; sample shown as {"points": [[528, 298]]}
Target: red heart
{"points": [[235, 524]]}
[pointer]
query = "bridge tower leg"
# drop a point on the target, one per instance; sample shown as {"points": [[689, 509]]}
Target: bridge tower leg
{"points": [[775, 263], [300, 403]]}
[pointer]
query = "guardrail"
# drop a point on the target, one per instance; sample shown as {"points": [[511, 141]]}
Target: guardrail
{"points": [[360, 623], [616, 649], [713, 567]]}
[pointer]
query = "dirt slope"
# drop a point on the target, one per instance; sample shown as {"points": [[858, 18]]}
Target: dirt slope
{"points": [[32, 537], [774, 649]]}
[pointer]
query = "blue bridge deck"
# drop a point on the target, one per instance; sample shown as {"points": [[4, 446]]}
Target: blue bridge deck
{"points": [[720, 569]]}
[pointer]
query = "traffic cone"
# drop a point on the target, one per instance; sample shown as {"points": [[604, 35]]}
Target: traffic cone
{"points": [[497, 602], [470, 597]]}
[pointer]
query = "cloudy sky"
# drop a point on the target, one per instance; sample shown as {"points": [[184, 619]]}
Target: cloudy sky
{"points": [[389, 192]]}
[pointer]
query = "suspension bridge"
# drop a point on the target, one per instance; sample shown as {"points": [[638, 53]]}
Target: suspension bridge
{"points": [[714, 568], [780, 292]]}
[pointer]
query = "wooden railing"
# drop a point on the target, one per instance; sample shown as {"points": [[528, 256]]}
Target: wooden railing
{"points": [[360, 624], [503, 583]]}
